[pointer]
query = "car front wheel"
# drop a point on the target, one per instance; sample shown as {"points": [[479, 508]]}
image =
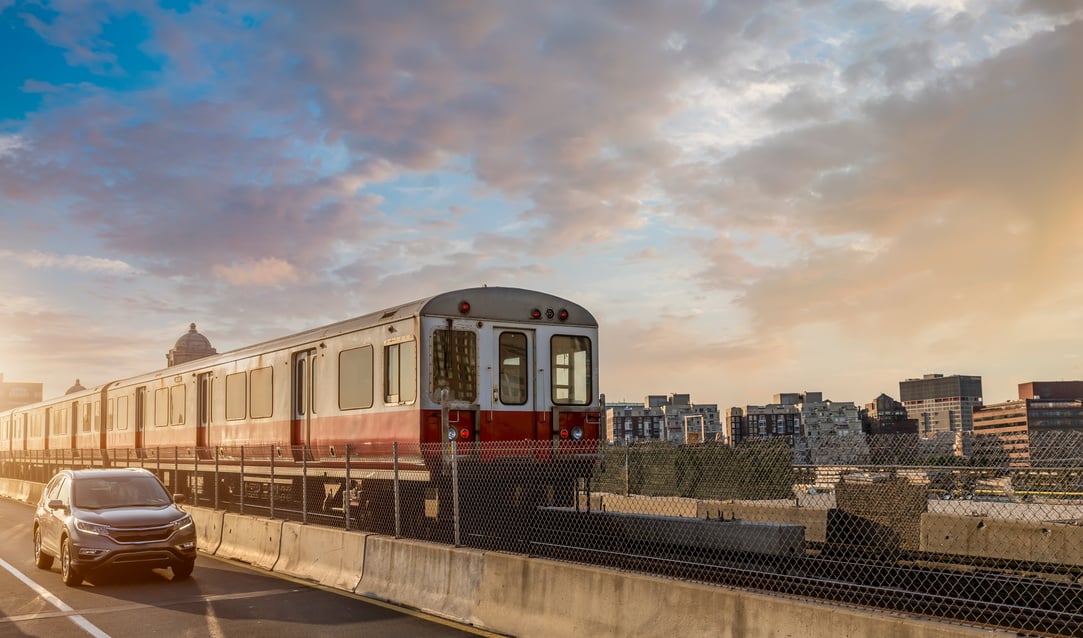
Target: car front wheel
{"points": [[183, 569], [41, 559], [70, 575]]}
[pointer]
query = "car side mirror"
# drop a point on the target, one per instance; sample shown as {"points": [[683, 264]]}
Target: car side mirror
{"points": [[179, 498], [57, 504]]}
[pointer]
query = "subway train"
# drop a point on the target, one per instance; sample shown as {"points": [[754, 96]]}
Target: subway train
{"points": [[507, 378]]}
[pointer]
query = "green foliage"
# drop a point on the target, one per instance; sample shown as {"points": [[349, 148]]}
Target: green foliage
{"points": [[751, 470]]}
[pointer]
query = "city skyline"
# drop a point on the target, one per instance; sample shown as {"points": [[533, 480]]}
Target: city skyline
{"points": [[751, 197]]}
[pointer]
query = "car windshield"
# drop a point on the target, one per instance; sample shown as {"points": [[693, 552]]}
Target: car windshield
{"points": [[124, 491]]}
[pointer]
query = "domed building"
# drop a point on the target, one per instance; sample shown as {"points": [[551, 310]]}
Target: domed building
{"points": [[78, 387], [189, 347]]}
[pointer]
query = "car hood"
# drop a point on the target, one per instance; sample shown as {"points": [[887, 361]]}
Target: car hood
{"points": [[132, 516]]}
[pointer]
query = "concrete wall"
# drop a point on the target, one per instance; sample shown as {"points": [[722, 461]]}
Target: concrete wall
{"points": [[528, 597]]}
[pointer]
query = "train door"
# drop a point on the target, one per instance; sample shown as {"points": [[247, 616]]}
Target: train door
{"points": [[514, 386], [303, 384], [140, 416], [73, 424], [45, 431], [203, 403]]}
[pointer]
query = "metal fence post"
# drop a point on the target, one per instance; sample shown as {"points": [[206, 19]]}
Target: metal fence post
{"points": [[346, 491], [216, 450], [398, 519], [271, 496], [241, 495], [195, 480], [176, 468], [455, 489], [304, 484]]}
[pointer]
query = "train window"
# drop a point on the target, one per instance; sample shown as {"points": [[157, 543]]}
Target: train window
{"points": [[110, 416], [455, 364], [122, 413], [236, 396], [97, 418], [571, 374], [355, 378], [176, 405], [87, 417], [400, 371], [262, 388], [513, 368], [161, 407]]}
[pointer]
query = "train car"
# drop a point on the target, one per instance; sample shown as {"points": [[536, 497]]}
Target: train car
{"points": [[510, 376]]}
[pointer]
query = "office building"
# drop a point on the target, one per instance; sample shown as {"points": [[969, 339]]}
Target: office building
{"points": [[941, 404], [13, 395]]}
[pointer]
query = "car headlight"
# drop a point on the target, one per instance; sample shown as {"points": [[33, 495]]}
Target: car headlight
{"points": [[182, 523], [91, 528]]}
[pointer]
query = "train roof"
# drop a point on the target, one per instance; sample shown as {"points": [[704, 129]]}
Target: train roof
{"points": [[489, 303]]}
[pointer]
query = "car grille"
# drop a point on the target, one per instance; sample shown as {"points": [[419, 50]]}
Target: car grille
{"points": [[134, 535]]}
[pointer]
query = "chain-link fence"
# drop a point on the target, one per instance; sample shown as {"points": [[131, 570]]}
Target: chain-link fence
{"points": [[978, 529]]}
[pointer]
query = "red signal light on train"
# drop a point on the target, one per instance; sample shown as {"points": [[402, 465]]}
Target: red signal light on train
{"points": [[464, 307], [535, 314], [464, 433], [562, 315], [564, 433]]}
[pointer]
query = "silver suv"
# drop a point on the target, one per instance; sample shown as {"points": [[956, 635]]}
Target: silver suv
{"points": [[95, 519]]}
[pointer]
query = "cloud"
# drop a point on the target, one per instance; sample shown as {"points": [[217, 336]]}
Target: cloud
{"points": [[263, 272], [10, 145], [81, 263]]}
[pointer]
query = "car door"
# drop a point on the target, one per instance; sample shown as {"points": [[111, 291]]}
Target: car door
{"points": [[52, 521]]}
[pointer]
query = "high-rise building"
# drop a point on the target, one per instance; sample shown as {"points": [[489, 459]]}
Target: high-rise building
{"points": [[13, 395], [885, 415], [941, 404]]}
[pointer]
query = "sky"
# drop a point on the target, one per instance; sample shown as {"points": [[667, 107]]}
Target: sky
{"points": [[751, 196]]}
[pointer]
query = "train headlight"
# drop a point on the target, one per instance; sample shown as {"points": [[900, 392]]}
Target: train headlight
{"points": [[577, 433], [451, 434]]}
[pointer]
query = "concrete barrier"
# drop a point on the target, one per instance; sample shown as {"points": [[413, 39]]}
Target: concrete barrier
{"points": [[33, 492], [253, 540], [979, 536], [328, 556], [7, 487], [437, 579], [208, 527], [531, 597]]}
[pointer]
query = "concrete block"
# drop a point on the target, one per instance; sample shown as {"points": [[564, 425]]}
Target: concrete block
{"points": [[7, 487], [979, 536], [33, 492], [208, 527], [437, 579], [253, 540], [331, 557], [813, 520]]}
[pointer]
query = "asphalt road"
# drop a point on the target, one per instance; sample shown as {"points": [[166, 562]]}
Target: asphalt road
{"points": [[221, 599]]}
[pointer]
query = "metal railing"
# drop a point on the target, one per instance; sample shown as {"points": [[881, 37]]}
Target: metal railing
{"points": [[976, 529]]}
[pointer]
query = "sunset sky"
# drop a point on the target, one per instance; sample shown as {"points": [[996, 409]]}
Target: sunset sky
{"points": [[752, 197]]}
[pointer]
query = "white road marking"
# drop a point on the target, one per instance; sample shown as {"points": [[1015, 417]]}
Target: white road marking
{"points": [[55, 602]]}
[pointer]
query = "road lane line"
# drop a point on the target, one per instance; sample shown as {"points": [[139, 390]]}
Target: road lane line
{"points": [[55, 602]]}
